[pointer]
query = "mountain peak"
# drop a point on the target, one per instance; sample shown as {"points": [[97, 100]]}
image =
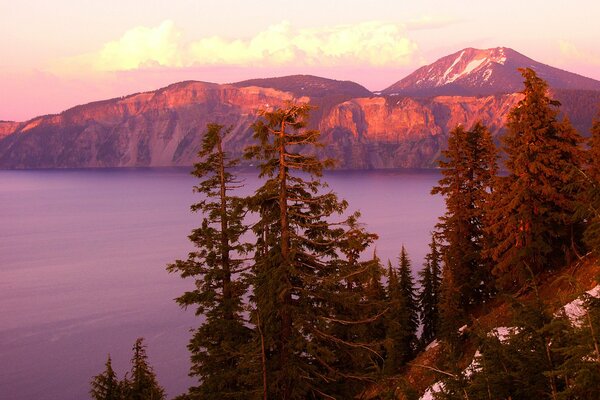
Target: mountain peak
{"points": [[483, 72]]}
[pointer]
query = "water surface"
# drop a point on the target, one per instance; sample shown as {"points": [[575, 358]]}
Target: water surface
{"points": [[82, 266]]}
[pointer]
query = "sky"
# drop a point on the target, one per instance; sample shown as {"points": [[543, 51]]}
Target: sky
{"points": [[61, 53]]}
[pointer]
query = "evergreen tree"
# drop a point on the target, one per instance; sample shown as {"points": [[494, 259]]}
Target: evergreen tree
{"points": [[373, 303], [106, 386], [468, 173], [300, 282], [142, 383], [219, 344], [589, 207], [398, 351], [580, 368], [520, 363], [429, 296], [407, 289], [532, 215]]}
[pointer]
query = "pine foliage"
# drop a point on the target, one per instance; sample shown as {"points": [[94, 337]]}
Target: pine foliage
{"points": [[468, 172], [304, 265], [218, 344], [532, 215], [106, 386], [141, 384], [590, 201], [542, 355], [402, 318], [430, 278]]}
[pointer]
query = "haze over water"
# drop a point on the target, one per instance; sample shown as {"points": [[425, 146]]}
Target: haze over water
{"points": [[83, 256]]}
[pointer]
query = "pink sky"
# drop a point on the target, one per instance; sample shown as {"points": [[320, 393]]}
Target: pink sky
{"points": [[59, 54]]}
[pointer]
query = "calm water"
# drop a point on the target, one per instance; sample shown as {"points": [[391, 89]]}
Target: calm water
{"points": [[82, 267]]}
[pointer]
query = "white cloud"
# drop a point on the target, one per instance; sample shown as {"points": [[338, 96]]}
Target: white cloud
{"points": [[372, 43], [571, 52]]}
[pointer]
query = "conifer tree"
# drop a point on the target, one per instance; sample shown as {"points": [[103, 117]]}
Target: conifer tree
{"points": [[532, 215], [106, 386], [580, 352], [300, 282], [397, 328], [373, 303], [429, 295], [218, 346], [407, 288], [468, 172], [142, 383], [519, 363], [589, 207]]}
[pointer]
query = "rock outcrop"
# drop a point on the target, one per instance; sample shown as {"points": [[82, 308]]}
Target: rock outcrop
{"points": [[360, 129]]}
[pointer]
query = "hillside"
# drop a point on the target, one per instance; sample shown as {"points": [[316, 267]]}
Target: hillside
{"points": [[556, 289], [406, 126]]}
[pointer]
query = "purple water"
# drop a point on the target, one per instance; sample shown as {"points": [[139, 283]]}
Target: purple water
{"points": [[82, 267]]}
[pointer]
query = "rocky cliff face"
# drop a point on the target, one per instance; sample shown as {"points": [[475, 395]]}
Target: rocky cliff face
{"points": [[391, 132], [164, 127], [159, 128]]}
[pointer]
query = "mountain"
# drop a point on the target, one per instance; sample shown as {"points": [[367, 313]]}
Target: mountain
{"points": [[311, 86], [164, 127], [474, 72], [361, 130]]}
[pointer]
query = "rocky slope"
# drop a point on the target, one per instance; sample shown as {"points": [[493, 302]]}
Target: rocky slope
{"points": [[164, 128], [483, 72], [360, 129]]}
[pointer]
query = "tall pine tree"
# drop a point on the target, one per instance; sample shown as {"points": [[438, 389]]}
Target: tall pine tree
{"points": [[589, 206], [219, 344], [468, 171], [142, 383], [429, 296], [532, 214], [106, 386], [403, 316], [300, 281]]}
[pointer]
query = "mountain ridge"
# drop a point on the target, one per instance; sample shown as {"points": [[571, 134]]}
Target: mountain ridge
{"points": [[483, 72], [361, 129]]}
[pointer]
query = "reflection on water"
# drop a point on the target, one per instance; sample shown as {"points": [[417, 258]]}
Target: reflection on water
{"points": [[82, 266]]}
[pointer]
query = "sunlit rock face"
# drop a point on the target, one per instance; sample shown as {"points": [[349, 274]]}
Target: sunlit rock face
{"points": [[164, 127]]}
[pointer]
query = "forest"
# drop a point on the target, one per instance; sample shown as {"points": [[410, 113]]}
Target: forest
{"points": [[293, 303]]}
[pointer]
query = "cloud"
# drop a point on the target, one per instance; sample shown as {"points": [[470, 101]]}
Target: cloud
{"points": [[571, 52], [374, 43]]}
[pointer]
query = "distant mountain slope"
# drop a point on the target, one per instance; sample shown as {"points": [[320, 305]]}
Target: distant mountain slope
{"points": [[309, 85], [7, 127], [164, 127], [483, 72]]}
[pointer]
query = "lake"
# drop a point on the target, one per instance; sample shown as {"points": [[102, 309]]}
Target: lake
{"points": [[83, 256]]}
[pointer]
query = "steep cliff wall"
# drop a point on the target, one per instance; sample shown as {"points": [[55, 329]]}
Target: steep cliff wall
{"points": [[164, 127]]}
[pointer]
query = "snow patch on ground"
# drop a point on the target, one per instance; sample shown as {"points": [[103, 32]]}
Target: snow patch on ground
{"points": [[575, 310], [432, 345], [432, 390], [474, 366], [503, 333]]}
